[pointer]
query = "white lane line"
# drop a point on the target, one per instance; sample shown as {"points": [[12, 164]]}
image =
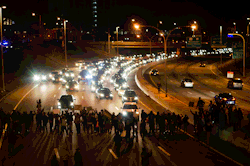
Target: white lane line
{"points": [[117, 108], [164, 151], [24, 96], [111, 151]]}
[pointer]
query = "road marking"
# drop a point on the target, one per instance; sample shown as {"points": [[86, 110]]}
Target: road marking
{"points": [[164, 151], [1, 141], [111, 151], [54, 95], [25, 96], [57, 153], [117, 108]]}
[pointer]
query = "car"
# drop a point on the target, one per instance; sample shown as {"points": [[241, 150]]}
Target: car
{"points": [[202, 64], [63, 72], [121, 90], [129, 110], [154, 72], [94, 87], [66, 102], [129, 96], [84, 76], [120, 82], [187, 83], [57, 78], [104, 93], [72, 85], [70, 74], [235, 83], [53, 74], [225, 98]]}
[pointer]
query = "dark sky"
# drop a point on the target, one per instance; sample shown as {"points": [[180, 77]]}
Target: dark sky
{"points": [[209, 14]]}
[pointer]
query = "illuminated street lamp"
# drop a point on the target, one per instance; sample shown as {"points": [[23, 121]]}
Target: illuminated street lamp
{"points": [[117, 38], [244, 53], [1, 33]]}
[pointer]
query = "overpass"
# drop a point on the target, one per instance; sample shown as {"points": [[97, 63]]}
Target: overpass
{"points": [[129, 44]]}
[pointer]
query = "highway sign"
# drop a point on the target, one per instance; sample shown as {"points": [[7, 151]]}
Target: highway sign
{"points": [[230, 74], [215, 42], [238, 51], [194, 42]]}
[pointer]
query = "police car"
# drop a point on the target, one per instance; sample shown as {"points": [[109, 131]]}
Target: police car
{"points": [[130, 108], [235, 83], [225, 98]]}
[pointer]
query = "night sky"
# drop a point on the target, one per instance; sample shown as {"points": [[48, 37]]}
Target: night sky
{"points": [[209, 14]]}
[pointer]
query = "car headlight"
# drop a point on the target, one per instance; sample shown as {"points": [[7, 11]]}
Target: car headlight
{"points": [[136, 98], [36, 78], [102, 95], [67, 86], [124, 113], [59, 103], [89, 76], [125, 98], [71, 103]]}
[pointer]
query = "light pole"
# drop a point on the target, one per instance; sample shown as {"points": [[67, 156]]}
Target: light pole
{"points": [[1, 31], [117, 39], [244, 53], [137, 26], [65, 48]]}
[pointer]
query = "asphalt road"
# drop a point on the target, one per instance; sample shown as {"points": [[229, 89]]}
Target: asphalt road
{"points": [[37, 148]]}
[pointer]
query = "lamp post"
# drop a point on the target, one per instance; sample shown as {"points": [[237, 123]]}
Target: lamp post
{"points": [[65, 48], [137, 26], [117, 39], [150, 41], [1, 33], [244, 53], [40, 23]]}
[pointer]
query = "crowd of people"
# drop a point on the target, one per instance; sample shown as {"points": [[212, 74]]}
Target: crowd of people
{"points": [[93, 122]]}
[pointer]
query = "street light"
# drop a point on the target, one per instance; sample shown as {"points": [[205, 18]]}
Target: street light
{"points": [[117, 38], [1, 33], [244, 53], [137, 26]]}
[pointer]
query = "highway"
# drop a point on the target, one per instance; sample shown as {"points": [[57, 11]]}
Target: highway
{"points": [[180, 149]]}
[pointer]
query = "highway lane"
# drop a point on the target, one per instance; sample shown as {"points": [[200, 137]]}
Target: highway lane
{"points": [[206, 84], [40, 145]]}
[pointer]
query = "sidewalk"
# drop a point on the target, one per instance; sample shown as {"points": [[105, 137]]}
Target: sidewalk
{"points": [[170, 103]]}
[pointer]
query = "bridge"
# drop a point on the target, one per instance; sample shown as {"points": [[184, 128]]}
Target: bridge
{"points": [[128, 44]]}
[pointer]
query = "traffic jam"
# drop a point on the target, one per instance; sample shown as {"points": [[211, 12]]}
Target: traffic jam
{"points": [[115, 71]]}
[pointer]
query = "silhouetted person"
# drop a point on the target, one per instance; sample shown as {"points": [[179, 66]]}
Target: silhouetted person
{"points": [[118, 140], [78, 158]]}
